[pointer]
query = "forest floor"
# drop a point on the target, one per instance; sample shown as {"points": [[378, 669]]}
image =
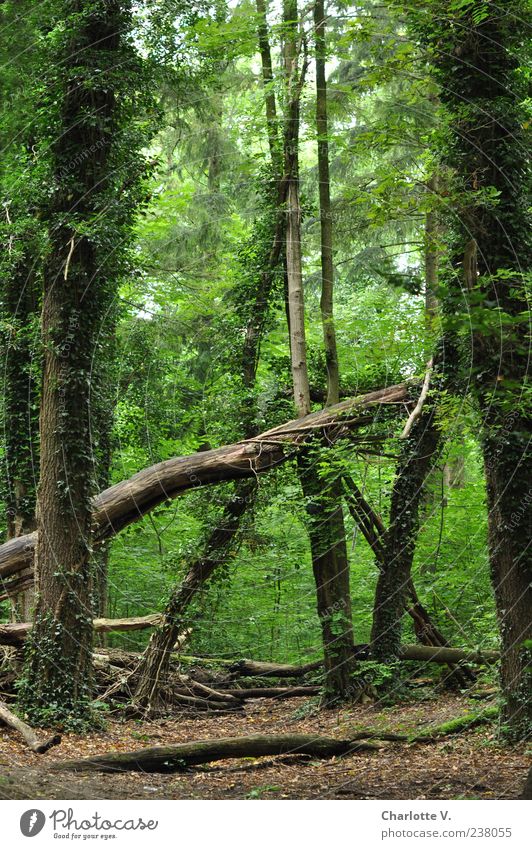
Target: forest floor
{"points": [[472, 765]]}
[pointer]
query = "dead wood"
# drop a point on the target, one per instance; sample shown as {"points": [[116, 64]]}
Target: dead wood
{"points": [[15, 633], [181, 755], [273, 692], [35, 743], [129, 500]]}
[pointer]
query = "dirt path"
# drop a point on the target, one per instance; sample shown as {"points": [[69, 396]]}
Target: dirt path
{"points": [[471, 766]]}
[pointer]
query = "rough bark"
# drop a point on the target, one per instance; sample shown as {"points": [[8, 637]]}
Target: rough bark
{"points": [[493, 243], [57, 682], [175, 758], [127, 501], [510, 520]]}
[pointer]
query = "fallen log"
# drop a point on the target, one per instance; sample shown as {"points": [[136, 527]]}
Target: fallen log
{"points": [[35, 743], [272, 692], [15, 633], [205, 692], [426, 654], [125, 502], [184, 697], [445, 654], [255, 668], [181, 755], [433, 733]]}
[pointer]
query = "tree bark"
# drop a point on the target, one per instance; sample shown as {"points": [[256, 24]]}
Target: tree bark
{"points": [[175, 758], [57, 683], [494, 241], [326, 220], [127, 501]]}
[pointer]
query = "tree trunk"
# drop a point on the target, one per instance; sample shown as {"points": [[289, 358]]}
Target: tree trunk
{"points": [[35, 743], [494, 239], [418, 456], [127, 501], [57, 684], [510, 520], [326, 220], [330, 566], [269, 93], [153, 669], [175, 758]]}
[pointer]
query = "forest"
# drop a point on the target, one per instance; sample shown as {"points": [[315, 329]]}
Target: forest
{"points": [[265, 480]]}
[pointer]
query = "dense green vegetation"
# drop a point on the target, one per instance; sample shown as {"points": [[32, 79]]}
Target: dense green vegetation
{"points": [[158, 190]]}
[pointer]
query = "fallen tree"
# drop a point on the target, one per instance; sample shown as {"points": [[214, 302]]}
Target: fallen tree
{"points": [[15, 633], [181, 755], [271, 692], [425, 654], [126, 502], [35, 743]]}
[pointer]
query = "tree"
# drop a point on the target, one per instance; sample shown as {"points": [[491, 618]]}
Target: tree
{"points": [[478, 57], [96, 172], [325, 522]]}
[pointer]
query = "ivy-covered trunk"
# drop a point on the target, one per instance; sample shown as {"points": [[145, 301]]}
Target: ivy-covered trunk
{"points": [[418, 456], [478, 63], [80, 277], [325, 524]]}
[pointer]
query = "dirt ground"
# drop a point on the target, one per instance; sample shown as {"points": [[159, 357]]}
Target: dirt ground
{"points": [[472, 765]]}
